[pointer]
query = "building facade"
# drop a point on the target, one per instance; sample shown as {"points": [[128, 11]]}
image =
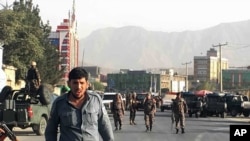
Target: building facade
{"points": [[207, 68], [236, 79], [66, 40], [144, 81]]}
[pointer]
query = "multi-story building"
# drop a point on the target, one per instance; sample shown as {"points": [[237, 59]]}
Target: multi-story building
{"points": [[143, 81], [236, 78], [207, 68], [66, 40]]}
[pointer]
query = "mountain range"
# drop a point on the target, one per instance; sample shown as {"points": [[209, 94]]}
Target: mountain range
{"points": [[136, 48]]}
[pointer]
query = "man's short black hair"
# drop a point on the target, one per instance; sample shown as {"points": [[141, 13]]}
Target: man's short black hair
{"points": [[77, 73]]}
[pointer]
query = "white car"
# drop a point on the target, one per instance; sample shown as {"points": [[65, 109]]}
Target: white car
{"points": [[167, 102]]}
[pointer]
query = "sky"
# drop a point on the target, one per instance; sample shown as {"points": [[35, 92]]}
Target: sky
{"points": [[154, 15]]}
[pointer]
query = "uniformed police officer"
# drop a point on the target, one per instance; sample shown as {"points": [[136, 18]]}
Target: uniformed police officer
{"points": [[118, 111], [179, 109], [149, 110]]}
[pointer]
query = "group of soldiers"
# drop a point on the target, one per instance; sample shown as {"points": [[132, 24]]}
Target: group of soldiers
{"points": [[179, 109]]}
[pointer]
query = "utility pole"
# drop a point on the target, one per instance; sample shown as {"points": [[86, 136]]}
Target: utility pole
{"points": [[220, 45], [186, 85]]}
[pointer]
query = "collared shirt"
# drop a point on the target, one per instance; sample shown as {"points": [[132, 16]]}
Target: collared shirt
{"points": [[84, 124]]}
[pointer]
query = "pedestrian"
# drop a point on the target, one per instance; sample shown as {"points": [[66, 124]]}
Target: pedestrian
{"points": [[132, 108], [78, 114], [33, 79], [149, 111], [180, 109], [118, 110]]}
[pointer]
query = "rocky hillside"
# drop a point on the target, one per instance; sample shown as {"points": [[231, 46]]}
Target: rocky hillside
{"points": [[136, 48]]}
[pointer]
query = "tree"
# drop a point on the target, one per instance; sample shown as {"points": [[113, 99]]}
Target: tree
{"points": [[206, 86], [98, 86], [25, 39]]}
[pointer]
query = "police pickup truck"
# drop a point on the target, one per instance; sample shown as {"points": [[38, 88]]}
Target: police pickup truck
{"points": [[18, 110]]}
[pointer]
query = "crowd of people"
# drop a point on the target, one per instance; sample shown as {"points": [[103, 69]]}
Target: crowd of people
{"points": [[179, 109], [118, 108]]}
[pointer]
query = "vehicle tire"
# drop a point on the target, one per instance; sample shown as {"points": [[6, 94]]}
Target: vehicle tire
{"points": [[204, 114], [196, 114], [6, 91], [39, 129], [162, 109], [234, 112], [190, 115], [44, 93], [246, 114], [223, 114]]}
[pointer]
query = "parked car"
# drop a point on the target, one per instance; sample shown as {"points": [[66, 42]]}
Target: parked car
{"points": [[140, 97], [215, 104], [167, 101], [194, 103], [237, 104]]}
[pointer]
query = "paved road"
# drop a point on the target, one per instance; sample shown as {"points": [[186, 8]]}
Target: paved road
{"points": [[201, 129]]}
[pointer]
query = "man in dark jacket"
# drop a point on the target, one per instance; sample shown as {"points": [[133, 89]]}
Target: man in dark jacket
{"points": [[149, 110], [33, 79]]}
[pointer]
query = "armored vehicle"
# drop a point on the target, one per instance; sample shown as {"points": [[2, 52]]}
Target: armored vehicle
{"points": [[215, 104], [237, 104], [194, 103]]}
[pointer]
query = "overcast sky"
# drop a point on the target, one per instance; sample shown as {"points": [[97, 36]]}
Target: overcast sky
{"points": [[157, 15]]}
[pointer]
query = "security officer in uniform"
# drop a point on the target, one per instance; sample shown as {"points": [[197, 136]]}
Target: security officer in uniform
{"points": [[179, 109], [133, 107], [149, 110], [118, 111], [33, 79]]}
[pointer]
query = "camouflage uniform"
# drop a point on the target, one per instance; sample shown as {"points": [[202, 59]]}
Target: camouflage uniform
{"points": [[118, 111], [132, 108], [179, 109], [149, 110]]}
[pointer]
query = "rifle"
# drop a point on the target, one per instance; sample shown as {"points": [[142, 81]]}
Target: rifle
{"points": [[8, 132]]}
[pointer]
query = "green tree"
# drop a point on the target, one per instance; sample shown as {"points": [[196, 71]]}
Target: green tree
{"points": [[98, 86], [25, 39], [206, 86]]}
